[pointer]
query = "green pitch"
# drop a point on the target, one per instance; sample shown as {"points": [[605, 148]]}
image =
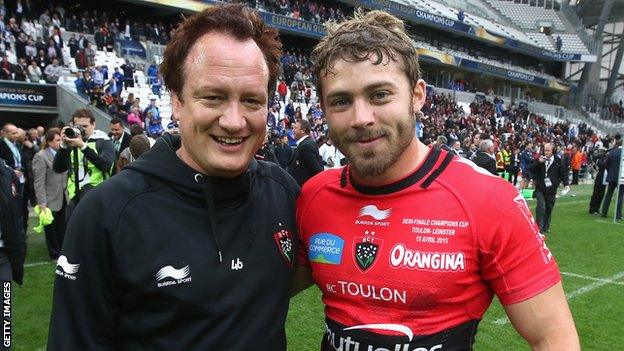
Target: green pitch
{"points": [[588, 249]]}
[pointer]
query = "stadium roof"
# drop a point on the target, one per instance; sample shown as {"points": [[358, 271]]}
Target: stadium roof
{"points": [[590, 11]]}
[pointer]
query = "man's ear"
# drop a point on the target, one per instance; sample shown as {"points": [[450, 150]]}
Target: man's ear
{"points": [[419, 95]]}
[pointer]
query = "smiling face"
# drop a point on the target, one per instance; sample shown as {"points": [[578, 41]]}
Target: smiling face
{"points": [[370, 111], [223, 105]]}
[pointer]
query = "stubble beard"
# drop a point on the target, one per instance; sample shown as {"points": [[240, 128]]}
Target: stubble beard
{"points": [[372, 163]]}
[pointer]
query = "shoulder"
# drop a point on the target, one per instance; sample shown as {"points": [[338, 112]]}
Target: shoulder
{"points": [[277, 177], [318, 183], [476, 188]]}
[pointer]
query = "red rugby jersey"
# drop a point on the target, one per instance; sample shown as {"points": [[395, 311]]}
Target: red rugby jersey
{"points": [[427, 252]]}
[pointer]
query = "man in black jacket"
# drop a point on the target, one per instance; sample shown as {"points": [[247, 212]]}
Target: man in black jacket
{"points": [[485, 156], [191, 246], [13, 244], [549, 171], [614, 157], [306, 161]]}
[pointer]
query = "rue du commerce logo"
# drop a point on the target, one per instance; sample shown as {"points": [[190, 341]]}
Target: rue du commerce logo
{"points": [[169, 275]]}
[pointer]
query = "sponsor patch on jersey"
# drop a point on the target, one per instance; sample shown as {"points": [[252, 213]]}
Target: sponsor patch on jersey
{"points": [[325, 248], [365, 252], [374, 212], [403, 257], [283, 240]]}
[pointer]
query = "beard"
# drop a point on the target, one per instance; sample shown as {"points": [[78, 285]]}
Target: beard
{"points": [[370, 163]]}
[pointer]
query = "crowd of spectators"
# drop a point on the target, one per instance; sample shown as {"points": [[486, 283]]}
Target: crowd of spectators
{"points": [[308, 10]]}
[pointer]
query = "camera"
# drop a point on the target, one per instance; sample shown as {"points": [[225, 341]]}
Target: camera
{"points": [[73, 132]]}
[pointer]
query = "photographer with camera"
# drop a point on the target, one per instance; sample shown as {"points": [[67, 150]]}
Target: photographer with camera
{"points": [[87, 153]]}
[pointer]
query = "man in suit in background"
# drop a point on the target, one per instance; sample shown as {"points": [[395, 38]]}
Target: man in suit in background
{"points": [[119, 137], [485, 156], [549, 171], [614, 158], [306, 161]]}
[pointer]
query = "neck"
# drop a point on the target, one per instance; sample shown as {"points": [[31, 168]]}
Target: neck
{"points": [[410, 159]]}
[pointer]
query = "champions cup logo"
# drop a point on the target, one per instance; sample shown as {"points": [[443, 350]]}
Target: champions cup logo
{"points": [[376, 213]]}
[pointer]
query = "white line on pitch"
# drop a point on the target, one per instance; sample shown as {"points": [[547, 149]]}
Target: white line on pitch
{"points": [[591, 278], [610, 222], [576, 293], [34, 264]]}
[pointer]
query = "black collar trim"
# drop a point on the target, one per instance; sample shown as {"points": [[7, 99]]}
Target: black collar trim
{"points": [[419, 173], [445, 162]]}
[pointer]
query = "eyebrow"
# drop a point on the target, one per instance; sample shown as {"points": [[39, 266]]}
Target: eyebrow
{"points": [[372, 86]]}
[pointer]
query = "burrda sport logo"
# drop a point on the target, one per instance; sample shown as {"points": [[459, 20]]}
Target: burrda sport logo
{"points": [[371, 215], [67, 270], [169, 275], [376, 213]]}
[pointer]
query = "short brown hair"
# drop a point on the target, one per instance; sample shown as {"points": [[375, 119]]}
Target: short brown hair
{"points": [[51, 133], [234, 19], [375, 34], [83, 113]]}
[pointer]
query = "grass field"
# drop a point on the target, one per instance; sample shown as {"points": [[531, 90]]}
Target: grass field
{"points": [[587, 248]]}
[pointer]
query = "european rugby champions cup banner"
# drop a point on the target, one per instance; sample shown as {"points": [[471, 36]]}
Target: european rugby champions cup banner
{"points": [[418, 16], [17, 94], [439, 57]]}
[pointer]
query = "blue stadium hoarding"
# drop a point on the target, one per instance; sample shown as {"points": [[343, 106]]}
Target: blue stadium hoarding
{"points": [[422, 17], [409, 13], [21, 94], [438, 57]]}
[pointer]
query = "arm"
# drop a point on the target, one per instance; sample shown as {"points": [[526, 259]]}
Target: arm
{"points": [[85, 302], [61, 160], [302, 279], [39, 169], [104, 158], [545, 321]]}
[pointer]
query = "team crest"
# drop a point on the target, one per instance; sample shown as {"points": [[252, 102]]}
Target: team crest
{"points": [[366, 250], [284, 242]]}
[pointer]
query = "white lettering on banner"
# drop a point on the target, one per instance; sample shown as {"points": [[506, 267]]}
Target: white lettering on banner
{"points": [[368, 291], [402, 257], [341, 343]]}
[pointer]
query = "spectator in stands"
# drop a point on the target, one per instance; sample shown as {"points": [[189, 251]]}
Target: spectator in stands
{"points": [[57, 39], [89, 53], [99, 38], [134, 117], [34, 72], [50, 191], [72, 43], [30, 50], [6, 69], [52, 51], [20, 70], [128, 72], [559, 43], [52, 72], [20, 45]]}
